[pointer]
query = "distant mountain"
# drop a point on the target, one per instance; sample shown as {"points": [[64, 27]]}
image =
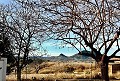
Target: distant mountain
{"points": [[62, 57], [78, 57]]}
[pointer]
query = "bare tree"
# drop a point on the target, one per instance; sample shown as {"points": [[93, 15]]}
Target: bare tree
{"points": [[92, 24], [24, 25]]}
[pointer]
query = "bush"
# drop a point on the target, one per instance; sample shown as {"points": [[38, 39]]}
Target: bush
{"points": [[69, 69], [81, 67], [97, 76]]}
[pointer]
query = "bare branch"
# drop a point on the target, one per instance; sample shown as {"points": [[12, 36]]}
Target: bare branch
{"points": [[114, 54]]}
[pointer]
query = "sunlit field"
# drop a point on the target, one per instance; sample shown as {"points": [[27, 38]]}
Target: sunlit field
{"points": [[48, 71]]}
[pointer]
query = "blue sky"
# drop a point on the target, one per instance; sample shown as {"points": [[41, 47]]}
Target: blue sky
{"points": [[55, 48], [4, 1]]}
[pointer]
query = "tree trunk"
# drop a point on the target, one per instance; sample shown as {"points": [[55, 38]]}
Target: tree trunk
{"points": [[104, 68], [37, 71], [104, 71], [18, 74]]}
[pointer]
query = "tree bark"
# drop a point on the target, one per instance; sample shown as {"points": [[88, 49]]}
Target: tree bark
{"points": [[104, 68], [104, 71], [18, 74]]}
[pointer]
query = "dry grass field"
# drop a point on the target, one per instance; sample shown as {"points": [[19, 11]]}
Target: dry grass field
{"points": [[48, 71]]}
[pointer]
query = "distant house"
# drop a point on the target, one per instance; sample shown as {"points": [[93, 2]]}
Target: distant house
{"points": [[114, 65]]}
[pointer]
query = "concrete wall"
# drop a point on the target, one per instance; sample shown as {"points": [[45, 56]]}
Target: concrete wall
{"points": [[3, 65]]}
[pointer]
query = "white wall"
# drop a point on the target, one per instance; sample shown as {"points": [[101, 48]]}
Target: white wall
{"points": [[3, 66]]}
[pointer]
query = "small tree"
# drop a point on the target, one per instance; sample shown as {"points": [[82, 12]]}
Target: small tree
{"points": [[36, 64]]}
